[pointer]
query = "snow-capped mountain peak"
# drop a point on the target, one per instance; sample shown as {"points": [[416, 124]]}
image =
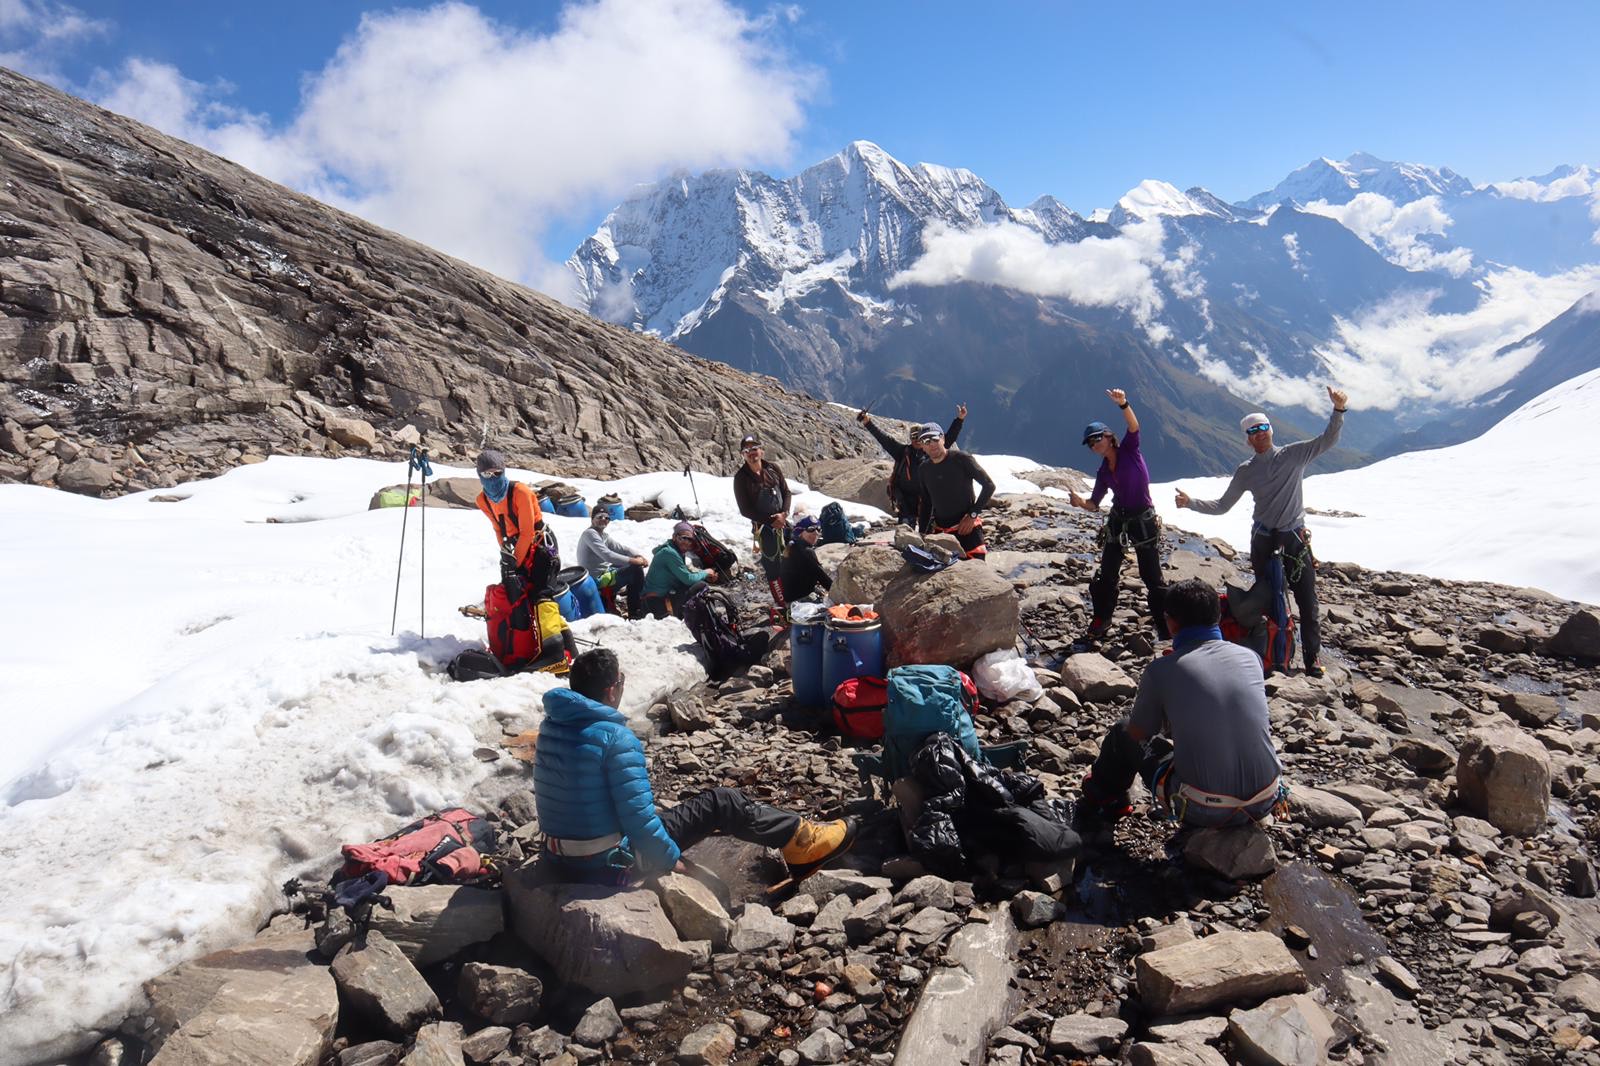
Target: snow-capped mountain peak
{"points": [[1336, 181]]}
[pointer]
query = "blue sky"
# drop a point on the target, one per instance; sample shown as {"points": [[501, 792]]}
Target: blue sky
{"points": [[1079, 100]]}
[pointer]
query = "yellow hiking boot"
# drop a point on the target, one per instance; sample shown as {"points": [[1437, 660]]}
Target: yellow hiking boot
{"points": [[814, 843]]}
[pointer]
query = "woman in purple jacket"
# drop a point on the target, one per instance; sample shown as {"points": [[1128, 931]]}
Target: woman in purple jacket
{"points": [[1132, 522]]}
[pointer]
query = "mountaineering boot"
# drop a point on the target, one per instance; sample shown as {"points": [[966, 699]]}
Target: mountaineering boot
{"points": [[1098, 808], [1091, 637], [1316, 670], [814, 843]]}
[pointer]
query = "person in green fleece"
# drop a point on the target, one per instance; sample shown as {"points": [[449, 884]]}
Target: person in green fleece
{"points": [[671, 578]]}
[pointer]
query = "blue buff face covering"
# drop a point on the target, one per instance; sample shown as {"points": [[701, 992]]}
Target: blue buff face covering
{"points": [[496, 487]]}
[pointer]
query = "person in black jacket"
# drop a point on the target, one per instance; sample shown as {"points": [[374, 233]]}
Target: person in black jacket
{"points": [[763, 496], [802, 573], [907, 457], [944, 492]]}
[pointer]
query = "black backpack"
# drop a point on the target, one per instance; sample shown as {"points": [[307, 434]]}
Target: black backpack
{"points": [[835, 526], [713, 618]]}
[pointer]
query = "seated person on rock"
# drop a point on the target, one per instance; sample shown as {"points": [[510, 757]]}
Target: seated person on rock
{"points": [[944, 492], [802, 573], [598, 812], [1217, 765], [598, 553], [671, 578]]}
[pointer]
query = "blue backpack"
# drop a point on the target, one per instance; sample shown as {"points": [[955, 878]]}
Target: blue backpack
{"points": [[924, 700], [835, 526]]}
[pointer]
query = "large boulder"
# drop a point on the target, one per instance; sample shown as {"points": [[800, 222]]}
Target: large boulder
{"points": [[1244, 853], [612, 941], [865, 573], [87, 476], [268, 1001], [857, 480], [1227, 967], [950, 617], [1578, 637], [350, 432], [460, 492], [1091, 676], [430, 923], [1503, 775]]}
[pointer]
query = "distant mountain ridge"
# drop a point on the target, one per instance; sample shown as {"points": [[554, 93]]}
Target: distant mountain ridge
{"points": [[808, 279]]}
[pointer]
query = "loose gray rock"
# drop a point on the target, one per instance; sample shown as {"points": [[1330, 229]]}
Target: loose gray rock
{"points": [[1093, 677], [1321, 810], [1286, 1031], [1175, 1055], [486, 1043], [1086, 1034], [1578, 637], [599, 1023], [1033, 909], [694, 910], [379, 983], [500, 995], [1224, 968], [709, 1045], [430, 923], [758, 929], [437, 1044], [824, 1045], [1241, 854], [1504, 775]]}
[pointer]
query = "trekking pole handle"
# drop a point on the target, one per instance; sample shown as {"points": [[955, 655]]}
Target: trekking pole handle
{"points": [[419, 461]]}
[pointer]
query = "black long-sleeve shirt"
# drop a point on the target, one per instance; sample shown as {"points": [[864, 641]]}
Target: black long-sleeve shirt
{"points": [[903, 482], [944, 490], [801, 572], [756, 496]]}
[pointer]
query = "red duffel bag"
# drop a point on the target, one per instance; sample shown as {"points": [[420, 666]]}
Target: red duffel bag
{"points": [[858, 707]]}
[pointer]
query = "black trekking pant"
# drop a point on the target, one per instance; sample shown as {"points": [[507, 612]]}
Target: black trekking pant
{"points": [[659, 606], [629, 581], [728, 812], [1143, 533], [1121, 759], [1299, 577]]}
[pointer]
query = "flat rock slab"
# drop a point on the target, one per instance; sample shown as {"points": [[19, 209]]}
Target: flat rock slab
{"points": [[1086, 1034], [1175, 1055], [1286, 1031], [430, 923], [1091, 676], [611, 941], [437, 1044], [1242, 854], [1228, 967], [962, 1005], [1321, 810], [271, 1001]]}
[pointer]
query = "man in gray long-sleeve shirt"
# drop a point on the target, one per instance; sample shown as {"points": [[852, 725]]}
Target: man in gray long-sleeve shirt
{"points": [[1274, 477], [598, 553]]}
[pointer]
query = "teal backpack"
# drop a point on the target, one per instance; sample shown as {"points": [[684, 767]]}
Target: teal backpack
{"points": [[835, 526], [924, 700]]}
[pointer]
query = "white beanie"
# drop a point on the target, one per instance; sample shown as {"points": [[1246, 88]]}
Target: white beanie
{"points": [[1254, 418]]}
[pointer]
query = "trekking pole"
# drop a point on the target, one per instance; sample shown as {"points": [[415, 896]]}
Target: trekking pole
{"points": [[404, 517], [690, 475], [427, 468]]}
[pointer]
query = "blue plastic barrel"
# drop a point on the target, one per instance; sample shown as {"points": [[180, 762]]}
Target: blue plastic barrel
{"points": [[616, 510], [586, 592], [561, 592], [546, 506], [805, 662], [850, 650], [572, 507]]}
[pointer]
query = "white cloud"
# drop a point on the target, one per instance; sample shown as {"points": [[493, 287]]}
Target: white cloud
{"points": [[1581, 182], [35, 33], [1115, 271], [472, 136], [1590, 304], [1400, 352], [1396, 231], [1291, 245]]}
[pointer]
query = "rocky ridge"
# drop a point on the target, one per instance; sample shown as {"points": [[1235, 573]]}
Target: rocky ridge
{"points": [[1403, 918], [166, 314]]}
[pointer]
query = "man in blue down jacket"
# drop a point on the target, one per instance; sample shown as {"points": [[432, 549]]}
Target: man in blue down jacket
{"points": [[598, 812]]}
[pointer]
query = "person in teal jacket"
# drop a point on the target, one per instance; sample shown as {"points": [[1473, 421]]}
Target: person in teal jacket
{"points": [[670, 578], [598, 811]]}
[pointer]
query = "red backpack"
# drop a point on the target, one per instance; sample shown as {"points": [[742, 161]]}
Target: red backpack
{"points": [[513, 636], [448, 847], [858, 706], [1275, 646]]}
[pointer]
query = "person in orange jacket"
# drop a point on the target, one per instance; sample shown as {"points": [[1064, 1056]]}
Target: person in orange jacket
{"points": [[513, 510]]}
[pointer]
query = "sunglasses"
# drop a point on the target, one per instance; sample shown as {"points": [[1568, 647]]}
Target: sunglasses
{"points": [[1095, 439], [1261, 428]]}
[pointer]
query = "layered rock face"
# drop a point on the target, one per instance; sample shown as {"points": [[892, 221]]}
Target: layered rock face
{"points": [[165, 313]]}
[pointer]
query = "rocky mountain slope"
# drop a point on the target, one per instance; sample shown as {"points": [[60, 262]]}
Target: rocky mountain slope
{"points": [[165, 313]]}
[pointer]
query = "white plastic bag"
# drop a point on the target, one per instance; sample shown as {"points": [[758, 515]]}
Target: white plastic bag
{"points": [[1003, 675]]}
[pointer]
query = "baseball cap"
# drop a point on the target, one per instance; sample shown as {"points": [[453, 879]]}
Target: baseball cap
{"points": [[1094, 429], [750, 440], [929, 431]]}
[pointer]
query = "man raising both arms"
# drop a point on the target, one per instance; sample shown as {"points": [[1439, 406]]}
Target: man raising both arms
{"points": [[944, 491], [1274, 478]]}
